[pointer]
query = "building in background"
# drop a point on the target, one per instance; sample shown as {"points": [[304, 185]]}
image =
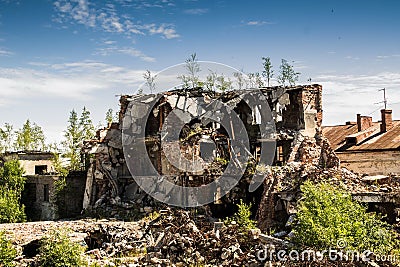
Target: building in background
{"points": [[365, 146]]}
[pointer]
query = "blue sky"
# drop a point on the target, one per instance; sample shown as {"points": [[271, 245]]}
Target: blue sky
{"points": [[65, 54]]}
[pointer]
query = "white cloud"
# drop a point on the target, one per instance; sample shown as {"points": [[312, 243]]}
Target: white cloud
{"points": [[352, 57], [73, 80], [257, 23], [4, 52], [109, 42], [163, 29], [387, 56], [196, 11], [106, 17], [106, 51], [346, 95]]}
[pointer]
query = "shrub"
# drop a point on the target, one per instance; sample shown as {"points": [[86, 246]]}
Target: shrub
{"points": [[11, 186], [57, 250], [328, 215], [7, 252], [10, 209]]}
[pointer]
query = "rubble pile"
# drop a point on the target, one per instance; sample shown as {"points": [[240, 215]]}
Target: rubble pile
{"points": [[175, 237], [317, 162], [178, 239]]}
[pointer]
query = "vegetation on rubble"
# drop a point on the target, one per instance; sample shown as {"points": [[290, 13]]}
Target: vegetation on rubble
{"points": [[329, 218], [7, 251], [221, 161], [151, 216], [11, 186], [57, 250], [242, 217]]}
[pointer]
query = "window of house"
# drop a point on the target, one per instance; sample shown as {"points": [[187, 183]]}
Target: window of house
{"points": [[46, 193], [40, 169]]}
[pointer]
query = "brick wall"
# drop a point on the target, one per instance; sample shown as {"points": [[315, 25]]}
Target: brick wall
{"points": [[383, 162]]}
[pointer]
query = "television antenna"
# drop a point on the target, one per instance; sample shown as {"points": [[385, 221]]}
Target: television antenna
{"points": [[384, 97]]}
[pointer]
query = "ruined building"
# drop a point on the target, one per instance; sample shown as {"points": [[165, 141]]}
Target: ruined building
{"points": [[38, 194], [296, 112]]}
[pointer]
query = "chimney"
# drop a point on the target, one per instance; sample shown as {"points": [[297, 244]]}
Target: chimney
{"points": [[363, 122], [387, 122]]}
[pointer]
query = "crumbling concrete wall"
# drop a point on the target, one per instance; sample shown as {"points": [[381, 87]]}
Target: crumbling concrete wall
{"points": [[39, 198]]}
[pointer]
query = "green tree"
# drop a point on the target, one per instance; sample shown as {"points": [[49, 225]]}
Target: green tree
{"points": [[73, 137], [328, 215], [287, 75], [30, 137], [267, 73], [6, 137], [86, 125], [11, 186], [78, 130]]}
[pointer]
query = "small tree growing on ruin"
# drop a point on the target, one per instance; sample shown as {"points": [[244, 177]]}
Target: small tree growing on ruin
{"points": [[111, 116], [211, 80], [149, 81], [223, 83], [267, 72], [193, 68], [287, 75], [240, 81], [255, 80]]}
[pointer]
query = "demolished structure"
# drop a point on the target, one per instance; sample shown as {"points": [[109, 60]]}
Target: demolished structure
{"points": [[301, 152], [296, 111]]}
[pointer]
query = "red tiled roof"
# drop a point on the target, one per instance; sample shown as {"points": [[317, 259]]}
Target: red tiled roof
{"points": [[389, 140]]}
